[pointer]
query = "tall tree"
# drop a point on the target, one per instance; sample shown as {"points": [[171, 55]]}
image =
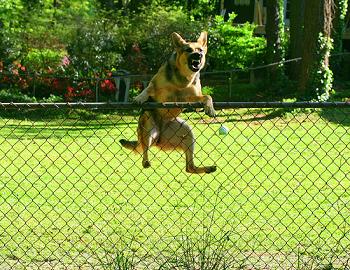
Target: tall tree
{"points": [[316, 76], [341, 7], [275, 40], [296, 36]]}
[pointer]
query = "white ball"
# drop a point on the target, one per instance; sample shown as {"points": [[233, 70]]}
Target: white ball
{"points": [[223, 130]]}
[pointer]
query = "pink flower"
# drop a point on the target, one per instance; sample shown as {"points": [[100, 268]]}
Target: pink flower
{"points": [[65, 61]]}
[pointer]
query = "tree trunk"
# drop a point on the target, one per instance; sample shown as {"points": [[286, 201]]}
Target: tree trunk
{"points": [[274, 30], [315, 80], [313, 27], [296, 36], [341, 7], [274, 37]]}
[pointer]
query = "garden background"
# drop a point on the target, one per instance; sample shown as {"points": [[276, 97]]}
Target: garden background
{"points": [[57, 50]]}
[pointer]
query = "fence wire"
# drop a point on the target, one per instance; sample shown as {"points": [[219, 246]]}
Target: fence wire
{"points": [[71, 197]]}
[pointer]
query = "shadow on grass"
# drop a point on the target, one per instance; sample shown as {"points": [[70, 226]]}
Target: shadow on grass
{"points": [[43, 124], [50, 114], [340, 116], [259, 115]]}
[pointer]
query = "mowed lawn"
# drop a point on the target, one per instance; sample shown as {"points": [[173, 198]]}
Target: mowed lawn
{"points": [[69, 192]]}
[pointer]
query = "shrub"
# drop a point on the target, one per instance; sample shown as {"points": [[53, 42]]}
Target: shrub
{"points": [[11, 35], [14, 75], [14, 95], [233, 46], [52, 99], [43, 60], [96, 47]]}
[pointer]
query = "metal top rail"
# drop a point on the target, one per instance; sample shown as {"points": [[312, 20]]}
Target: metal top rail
{"points": [[184, 105]]}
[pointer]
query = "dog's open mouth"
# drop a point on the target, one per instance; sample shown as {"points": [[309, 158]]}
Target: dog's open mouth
{"points": [[194, 62], [195, 65]]}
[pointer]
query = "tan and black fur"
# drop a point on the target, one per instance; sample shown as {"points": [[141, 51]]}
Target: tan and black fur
{"points": [[177, 80]]}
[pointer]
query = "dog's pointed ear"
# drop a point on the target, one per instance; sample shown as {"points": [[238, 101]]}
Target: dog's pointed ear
{"points": [[177, 40], [203, 39]]}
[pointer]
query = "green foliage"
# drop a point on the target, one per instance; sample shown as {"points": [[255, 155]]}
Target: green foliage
{"points": [[207, 253], [233, 46], [197, 9], [220, 93], [10, 46], [95, 46], [42, 60], [339, 24], [321, 76], [11, 14], [337, 35], [11, 17], [52, 99], [150, 45], [276, 46], [206, 90], [14, 95], [28, 25], [94, 42], [281, 32], [99, 37], [238, 92], [120, 261]]}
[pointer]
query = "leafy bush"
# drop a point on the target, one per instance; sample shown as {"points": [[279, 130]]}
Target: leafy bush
{"points": [[52, 99], [43, 60], [233, 46], [95, 48], [14, 95], [11, 36]]}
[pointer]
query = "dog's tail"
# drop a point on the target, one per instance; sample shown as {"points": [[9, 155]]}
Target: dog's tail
{"points": [[132, 145]]}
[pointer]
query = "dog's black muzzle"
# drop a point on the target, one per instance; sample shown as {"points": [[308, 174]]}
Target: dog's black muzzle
{"points": [[195, 61]]}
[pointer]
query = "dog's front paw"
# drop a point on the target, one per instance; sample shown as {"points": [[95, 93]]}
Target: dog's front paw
{"points": [[140, 99], [209, 110]]}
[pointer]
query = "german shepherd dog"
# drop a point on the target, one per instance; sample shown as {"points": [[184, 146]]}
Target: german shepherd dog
{"points": [[177, 80]]}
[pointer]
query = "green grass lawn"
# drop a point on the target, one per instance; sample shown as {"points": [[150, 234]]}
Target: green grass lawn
{"points": [[69, 192]]}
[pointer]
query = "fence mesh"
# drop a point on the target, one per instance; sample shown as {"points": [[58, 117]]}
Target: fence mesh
{"points": [[72, 198]]}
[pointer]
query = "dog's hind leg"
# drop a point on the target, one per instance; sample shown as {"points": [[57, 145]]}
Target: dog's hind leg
{"points": [[178, 134], [188, 147], [148, 134]]}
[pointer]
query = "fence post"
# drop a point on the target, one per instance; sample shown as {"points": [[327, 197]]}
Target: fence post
{"points": [[96, 90], [230, 85]]}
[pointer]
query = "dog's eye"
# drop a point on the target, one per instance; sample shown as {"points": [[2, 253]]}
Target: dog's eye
{"points": [[189, 50]]}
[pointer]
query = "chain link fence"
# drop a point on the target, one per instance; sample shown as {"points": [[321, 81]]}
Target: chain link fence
{"points": [[72, 198]]}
